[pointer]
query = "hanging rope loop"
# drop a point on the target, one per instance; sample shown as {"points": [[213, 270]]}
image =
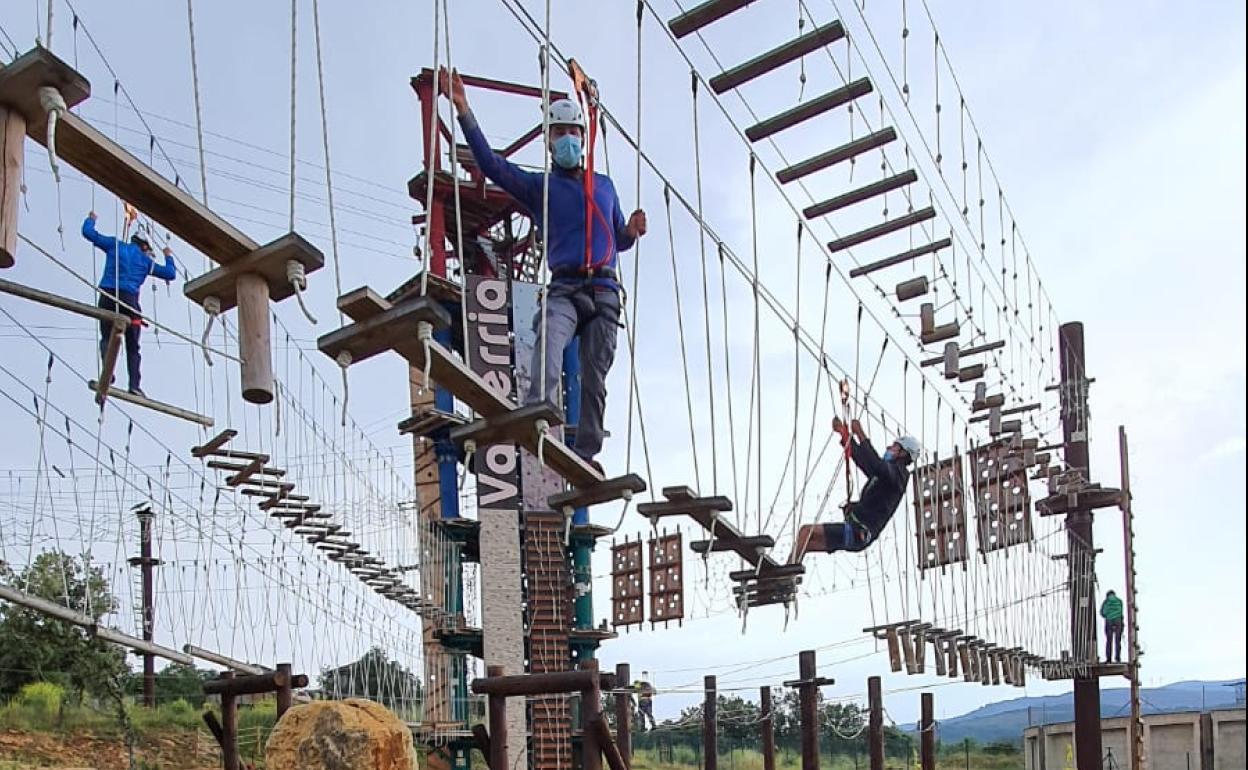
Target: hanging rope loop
{"points": [[424, 334], [296, 273], [212, 306], [51, 101]]}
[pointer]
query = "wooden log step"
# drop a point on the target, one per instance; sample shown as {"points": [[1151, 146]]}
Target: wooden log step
{"points": [[912, 289], [778, 572], [294, 502], [156, 406], [223, 465], [1011, 410], [837, 155], [717, 545], [971, 373], [940, 333], [969, 351], [898, 259], [268, 261], [699, 16], [861, 194], [391, 329], [807, 110], [517, 426], [621, 487], [891, 226], [214, 444], [267, 484], [690, 507], [246, 472], [995, 401], [777, 57]]}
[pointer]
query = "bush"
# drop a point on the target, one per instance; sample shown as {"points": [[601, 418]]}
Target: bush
{"points": [[43, 699]]}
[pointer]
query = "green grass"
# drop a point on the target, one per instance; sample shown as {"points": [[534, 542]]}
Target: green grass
{"points": [[684, 758]]}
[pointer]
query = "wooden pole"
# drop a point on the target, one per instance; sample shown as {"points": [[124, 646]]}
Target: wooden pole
{"points": [[927, 733], [768, 727], [610, 751], [497, 711], [12, 153], [146, 564], [808, 692], [1136, 730], [875, 723], [591, 707], [285, 692], [229, 726], [255, 338], [624, 713], [710, 735]]}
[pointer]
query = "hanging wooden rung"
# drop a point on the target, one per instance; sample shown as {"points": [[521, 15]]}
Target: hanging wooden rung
{"points": [[912, 289], [246, 472], [215, 443], [223, 465], [621, 487], [717, 545], [902, 258], [969, 667], [157, 406], [1012, 410], [429, 420], [271, 499], [698, 17], [517, 426], [907, 650], [268, 261], [295, 518], [984, 665], [995, 401], [286, 505], [777, 57], [963, 352], [772, 574], [919, 634], [864, 193], [940, 333], [845, 152], [950, 357], [891, 226], [807, 110], [698, 508], [393, 328]]}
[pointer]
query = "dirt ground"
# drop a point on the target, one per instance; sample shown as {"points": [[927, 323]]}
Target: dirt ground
{"points": [[83, 751]]}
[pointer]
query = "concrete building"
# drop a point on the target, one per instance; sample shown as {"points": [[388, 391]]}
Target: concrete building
{"points": [[1186, 740]]}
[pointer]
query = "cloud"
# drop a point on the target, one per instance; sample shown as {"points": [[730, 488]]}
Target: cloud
{"points": [[1228, 448]]}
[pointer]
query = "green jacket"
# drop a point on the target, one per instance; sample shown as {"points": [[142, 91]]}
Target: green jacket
{"points": [[1111, 608]]}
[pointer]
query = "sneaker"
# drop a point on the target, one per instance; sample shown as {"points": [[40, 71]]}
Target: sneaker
{"points": [[135, 391]]}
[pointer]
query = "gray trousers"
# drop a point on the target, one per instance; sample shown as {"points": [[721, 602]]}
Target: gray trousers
{"points": [[593, 314]]}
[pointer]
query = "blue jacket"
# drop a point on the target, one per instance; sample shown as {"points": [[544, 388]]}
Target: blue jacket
{"points": [[126, 267], [884, 490], [566, 241]]}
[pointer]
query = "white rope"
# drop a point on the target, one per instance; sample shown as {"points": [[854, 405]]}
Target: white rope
{"points": [[544, 62], [294, 26], [344, 361], [51, 101], [297, 275], [459, 212], [431, 166], [680, 328], [199, 122], [212, 306], [706, 301]]}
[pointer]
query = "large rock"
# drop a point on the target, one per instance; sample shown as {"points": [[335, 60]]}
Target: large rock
{"points": [[340, 735]]}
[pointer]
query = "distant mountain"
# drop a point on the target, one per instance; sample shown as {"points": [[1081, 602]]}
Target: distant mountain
{"points": [[1006, 720]]}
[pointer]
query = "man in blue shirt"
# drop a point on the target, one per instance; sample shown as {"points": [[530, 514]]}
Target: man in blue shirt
{"points": [[582, 244], [126, 267], [887, 477]]}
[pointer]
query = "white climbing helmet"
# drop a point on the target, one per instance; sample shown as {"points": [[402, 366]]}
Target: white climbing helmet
{"points": [[911, 445], [565, 112]]}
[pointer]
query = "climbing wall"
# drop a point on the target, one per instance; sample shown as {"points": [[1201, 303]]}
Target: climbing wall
{"points": [[627, 599], [667, 584], [1002, 499], [940, 513]]}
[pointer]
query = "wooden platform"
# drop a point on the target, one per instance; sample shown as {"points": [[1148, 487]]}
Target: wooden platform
{"points": [[517, 426], [597, 494], [147, 403], [268, 261], [705, 510]]}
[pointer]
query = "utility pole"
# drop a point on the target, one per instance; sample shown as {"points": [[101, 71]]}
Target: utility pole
{"points": [[1081, 554], [145, 563]]}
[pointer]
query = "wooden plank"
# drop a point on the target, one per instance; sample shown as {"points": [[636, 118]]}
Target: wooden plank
{"points": [[392, 329], [516, 426], [109, 364], [866, 192], [899, 259], [699, 508], [807, 110], [698, 17], [717, 545], [223, 465], [246, 473], [609, 490], [970, 351], [362, 304], [837, 155], [22, 78], [12, 174], [907, 649], [779, 572], [268, 261], [777, 57], [940, 333], [891, 226], [115, 169], [214, 444], [62, 303], [157, 406]]}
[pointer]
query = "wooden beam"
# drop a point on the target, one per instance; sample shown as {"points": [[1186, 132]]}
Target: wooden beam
{"points": [[972, 350], [61, 303], [268, 261], [698, 17], [214, 444], [394, 328], [717, 545], [866, 192], [777, 57], [22, 78], [147, 403], [902, 258], [516, 426], [609, 490], [12, 171], [837, 155], [109, 363], [807, 110], [893, 225], [362, 304], [246, 472]]}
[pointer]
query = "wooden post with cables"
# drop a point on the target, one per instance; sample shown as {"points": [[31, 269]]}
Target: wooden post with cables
{"points": [[497, 710], [768, 728], [12, 156], [710, 734], [624, 712], [1136, 730], [927, 733], [875, 723], [146, 563], [229, 724], [808, 684]]}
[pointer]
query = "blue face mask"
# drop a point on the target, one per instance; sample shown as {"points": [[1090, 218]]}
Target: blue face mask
{"points": [[888, 455], [568, 151]]}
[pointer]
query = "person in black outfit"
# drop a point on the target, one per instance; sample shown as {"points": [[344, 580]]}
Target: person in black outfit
{"points": [[887, 477]]}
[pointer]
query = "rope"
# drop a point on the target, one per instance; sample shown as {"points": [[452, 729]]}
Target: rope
{"points": [[544, 63], [199, 122], [212, 306], [459, 213], [51, 101], [432, 163], [294, 26], [706, 301], [297, 275], [329, 178], [680, 328], [631, 332]]}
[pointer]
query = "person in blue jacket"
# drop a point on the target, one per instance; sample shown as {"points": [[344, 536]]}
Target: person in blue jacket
{"points": [[887, 477], [583, 299], [126, 267]]}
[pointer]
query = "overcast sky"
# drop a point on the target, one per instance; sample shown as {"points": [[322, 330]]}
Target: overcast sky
{"points": [[1117, 133]]}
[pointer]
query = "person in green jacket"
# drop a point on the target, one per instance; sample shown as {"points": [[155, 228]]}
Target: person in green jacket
{"points": [[1111, 610]]}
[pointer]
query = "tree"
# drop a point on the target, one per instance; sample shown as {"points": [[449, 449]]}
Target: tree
{"points": [[35, 647], [375, 677], [176, 681]]}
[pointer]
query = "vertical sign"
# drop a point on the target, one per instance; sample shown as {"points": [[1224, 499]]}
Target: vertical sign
{"points": [[489, 345]]}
